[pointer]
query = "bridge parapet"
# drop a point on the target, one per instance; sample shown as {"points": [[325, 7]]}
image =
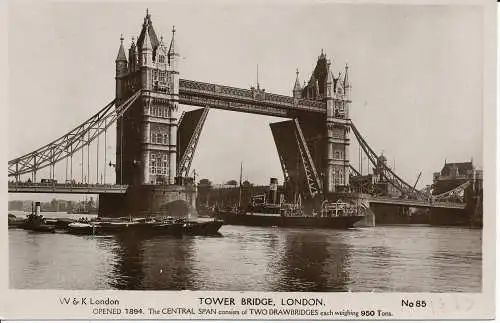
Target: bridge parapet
{"points": [[82, 188], [416, 203]]}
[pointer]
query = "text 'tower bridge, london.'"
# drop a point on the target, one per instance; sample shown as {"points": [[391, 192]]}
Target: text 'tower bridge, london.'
{"points": [[156, 143]]}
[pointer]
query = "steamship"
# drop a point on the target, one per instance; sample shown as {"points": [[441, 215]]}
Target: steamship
{"points": [[333, 215]]}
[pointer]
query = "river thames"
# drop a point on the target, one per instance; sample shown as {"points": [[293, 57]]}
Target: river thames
{"points": [[379, 259]]}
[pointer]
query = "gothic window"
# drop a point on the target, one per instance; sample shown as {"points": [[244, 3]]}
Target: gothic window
{"points": [[159, 164], [337, 154], [165, 138], [341, 177], [341, 109], [164, 164], [152, 164], [161, 59], [162, 75]]}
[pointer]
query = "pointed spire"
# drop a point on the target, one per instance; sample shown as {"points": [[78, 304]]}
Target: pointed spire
{"points": [[329, 80], [172, 49], [346, 77], [146, 54], [347, 84], [297, 81], [172, 54], [146, 46], [329, 73], [121, 51], [323, 55], [297, 90], [258, 85], [132, 55]]}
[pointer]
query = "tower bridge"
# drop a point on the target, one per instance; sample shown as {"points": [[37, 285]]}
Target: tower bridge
{"points": [[155, 144]]}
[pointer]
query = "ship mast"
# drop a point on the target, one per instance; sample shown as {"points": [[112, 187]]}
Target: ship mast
{"points": [[241, 174]]}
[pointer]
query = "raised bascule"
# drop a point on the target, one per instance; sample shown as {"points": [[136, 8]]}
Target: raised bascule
{"points": [[156, 143]]}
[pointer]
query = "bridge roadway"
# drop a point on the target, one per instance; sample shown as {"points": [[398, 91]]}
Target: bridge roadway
{"points": [[415, 203], [69, 188], [73, 188]]}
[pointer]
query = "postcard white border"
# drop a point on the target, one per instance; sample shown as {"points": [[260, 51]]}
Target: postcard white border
{"points": [[44, 304]]}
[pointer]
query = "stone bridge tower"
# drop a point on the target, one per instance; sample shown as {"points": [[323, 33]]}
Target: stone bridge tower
{"points": [[328, 140], [146, 135], [146, 147]]}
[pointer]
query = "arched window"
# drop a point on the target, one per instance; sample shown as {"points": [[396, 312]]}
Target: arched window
{"points": [[161, 59]]}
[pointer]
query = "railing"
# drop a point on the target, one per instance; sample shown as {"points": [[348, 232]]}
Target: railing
{"points": [[18, 186], [426, 203]]}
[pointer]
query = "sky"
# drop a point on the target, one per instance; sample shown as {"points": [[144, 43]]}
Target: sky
{"points": [[416, 75]]}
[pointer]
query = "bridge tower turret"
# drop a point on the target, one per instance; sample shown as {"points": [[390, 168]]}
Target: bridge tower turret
{"points": [[330, 114], [121, 70], [120, 96], [173, 63], [146, 60], [297, 90], [337, 128], [345, 103], [132, 56]]}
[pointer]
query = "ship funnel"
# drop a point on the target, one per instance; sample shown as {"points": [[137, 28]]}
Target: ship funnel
{"points": [[273, 191], [37, 208]]}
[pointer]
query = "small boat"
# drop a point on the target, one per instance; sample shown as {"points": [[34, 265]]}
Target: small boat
{"points": [[171, 228], [112, 227], [82, 228], [59, 223], [202, 228]]}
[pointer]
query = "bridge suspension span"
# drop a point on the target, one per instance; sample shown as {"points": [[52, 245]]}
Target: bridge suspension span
{"points": [[406, 190], [71, 142]]}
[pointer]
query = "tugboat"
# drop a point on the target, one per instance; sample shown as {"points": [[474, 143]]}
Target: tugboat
{"points": [[36, 222]]}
